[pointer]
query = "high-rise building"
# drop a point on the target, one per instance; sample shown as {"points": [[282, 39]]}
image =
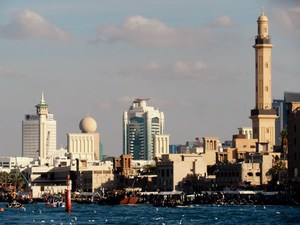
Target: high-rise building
{"points": [[39, 133], [280, 122], [263, 116], [140, 124]]}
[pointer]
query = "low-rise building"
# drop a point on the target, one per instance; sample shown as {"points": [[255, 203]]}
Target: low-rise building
{"points": [[250, 172], [174, 168]]}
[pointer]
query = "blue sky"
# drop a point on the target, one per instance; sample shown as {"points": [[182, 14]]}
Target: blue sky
{"points": [[193, 59]]}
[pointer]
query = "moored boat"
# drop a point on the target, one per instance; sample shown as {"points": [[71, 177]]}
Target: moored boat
{"points": [[14, 204]]}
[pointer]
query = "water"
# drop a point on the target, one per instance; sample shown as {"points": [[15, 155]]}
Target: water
{"points": [[149, 215]]}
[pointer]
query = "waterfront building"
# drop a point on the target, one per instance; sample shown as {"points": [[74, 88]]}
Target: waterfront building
{"points": [[92, 175], [85, 145], [263, 116], [250, 172], [293, 130], [173, 170], [140, 125], [86, 175], [39, 133], [9, 164]]}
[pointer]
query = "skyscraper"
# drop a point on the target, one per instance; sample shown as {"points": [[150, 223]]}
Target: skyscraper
{"points": [[140, 124], [263, 115], [39, 132]]}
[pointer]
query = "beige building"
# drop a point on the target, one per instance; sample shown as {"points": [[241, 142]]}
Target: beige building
{"points": [[93, 175], [85, 145], [85, 176], [123, 165], [210, 149], [247, 131], [161, 145], [47, 179], [174, 168], [241, 147], [263, 115], [251, 172]]}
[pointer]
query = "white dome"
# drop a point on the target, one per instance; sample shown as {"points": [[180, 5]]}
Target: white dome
{"points": [[88, 125]]}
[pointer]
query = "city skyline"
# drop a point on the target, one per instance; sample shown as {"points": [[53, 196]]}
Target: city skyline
{"points": [[194, 60]]}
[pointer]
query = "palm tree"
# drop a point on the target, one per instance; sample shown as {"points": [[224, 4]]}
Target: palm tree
{"points": [[11, 179], [284, 142]]}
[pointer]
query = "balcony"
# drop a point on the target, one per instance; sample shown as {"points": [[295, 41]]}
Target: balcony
{"points": [[255, 112], [259, 40]]}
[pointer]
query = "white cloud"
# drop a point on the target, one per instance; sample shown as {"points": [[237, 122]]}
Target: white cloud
{"points": [[222, 21], [179, 69], [288, 19], [148, 32], [29, 24]]}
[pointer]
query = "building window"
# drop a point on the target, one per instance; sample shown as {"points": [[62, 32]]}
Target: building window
{"points": [[295, 128], [295, 141]]}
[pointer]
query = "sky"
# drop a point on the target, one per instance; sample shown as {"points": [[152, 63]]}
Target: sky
{"points": [[193, 59]]}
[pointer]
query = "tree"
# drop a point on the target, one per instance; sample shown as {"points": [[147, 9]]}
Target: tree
{"points": [[12, 179], [284, 142], [278, 173]]}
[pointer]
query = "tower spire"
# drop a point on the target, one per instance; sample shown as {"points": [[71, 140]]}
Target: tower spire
{"points": [[42, 99]]}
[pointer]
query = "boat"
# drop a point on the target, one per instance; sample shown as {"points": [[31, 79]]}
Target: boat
{"points": [[131, 200], [14, 204], [55, 201]]}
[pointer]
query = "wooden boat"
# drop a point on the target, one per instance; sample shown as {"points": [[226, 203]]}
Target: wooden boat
{"points": [[129, 200]]}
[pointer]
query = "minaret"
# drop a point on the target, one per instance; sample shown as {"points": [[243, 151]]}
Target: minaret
{"points": [[42, 111], [263, 116]]}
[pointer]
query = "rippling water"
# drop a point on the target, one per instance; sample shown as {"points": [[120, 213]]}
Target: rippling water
{"points": [[149, 215]]}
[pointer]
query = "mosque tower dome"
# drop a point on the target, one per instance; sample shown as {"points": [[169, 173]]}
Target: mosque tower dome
{"points": [[88, 125]]}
